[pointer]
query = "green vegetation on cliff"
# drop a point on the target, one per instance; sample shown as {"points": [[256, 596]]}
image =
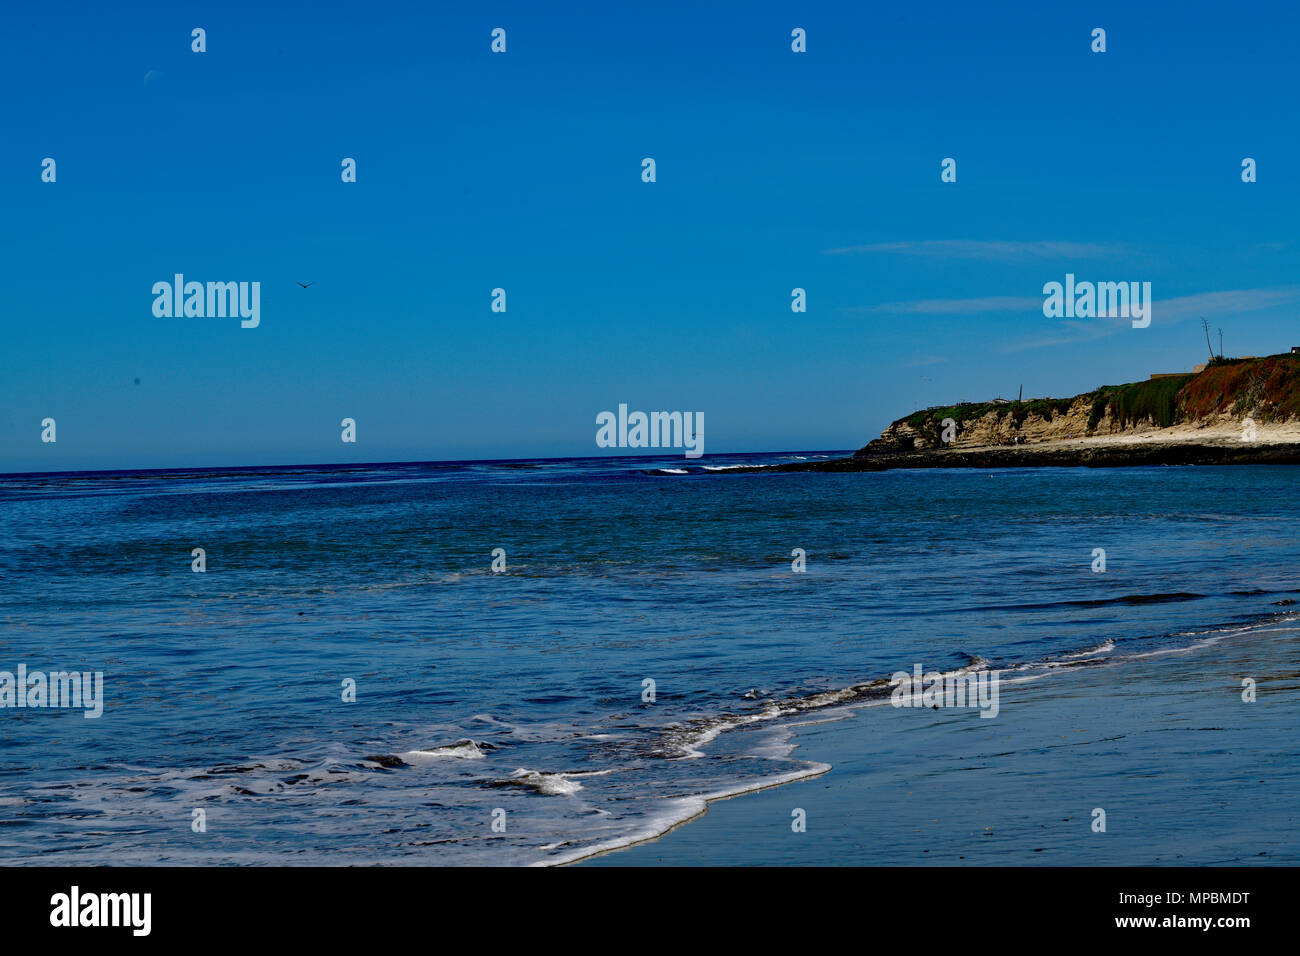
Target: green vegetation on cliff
{"points": [[1266, 388], [1155, 401], [970, 411]]}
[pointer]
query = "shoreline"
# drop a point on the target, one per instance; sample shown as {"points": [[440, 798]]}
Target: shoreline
{"points": [[698, 806], [899, 783], [1118, 452], [834, 707]]}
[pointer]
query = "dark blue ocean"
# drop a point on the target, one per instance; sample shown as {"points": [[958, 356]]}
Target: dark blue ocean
{"points": [[501, 717]]}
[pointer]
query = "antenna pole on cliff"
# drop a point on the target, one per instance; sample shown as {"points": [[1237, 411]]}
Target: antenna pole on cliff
{"points": [[1021, 395], [1206, 325]]}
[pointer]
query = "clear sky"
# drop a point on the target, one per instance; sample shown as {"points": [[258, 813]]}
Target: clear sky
{"points": [[522, 170]]}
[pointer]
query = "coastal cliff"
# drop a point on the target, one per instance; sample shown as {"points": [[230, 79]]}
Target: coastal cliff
{"points": [[1217, 400], [1233, 412]]}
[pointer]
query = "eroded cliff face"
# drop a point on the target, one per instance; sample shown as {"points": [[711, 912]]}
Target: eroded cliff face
{"points": [[1003, 426], [1265, 389]]}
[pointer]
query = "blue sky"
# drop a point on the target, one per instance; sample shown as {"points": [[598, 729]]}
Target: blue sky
{"points": [[775, 170]]}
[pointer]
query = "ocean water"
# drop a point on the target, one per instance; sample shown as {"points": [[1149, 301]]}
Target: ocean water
{"points": [[519, 697]]}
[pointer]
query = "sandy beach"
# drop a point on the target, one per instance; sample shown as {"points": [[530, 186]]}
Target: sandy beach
{"points": [[1227, 433]]}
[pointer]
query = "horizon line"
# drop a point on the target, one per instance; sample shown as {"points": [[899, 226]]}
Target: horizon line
{"points": [[344, 466]]}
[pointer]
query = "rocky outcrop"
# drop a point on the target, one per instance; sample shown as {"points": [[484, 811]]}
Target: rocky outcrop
{"points": [[1119, 455]]}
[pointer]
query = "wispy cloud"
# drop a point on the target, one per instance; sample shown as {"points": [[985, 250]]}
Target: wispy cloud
{"points": [[1071, 334], [988, 249], [1211, 305], [1232, 302], [996, 303]]}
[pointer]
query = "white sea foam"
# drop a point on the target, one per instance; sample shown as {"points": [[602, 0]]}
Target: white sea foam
{"points": [[553, 784], [461, 750], [1104, 647], [679, 811]]}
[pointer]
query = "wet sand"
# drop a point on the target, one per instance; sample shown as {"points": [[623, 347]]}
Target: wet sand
{"points": [[947, 787]]}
